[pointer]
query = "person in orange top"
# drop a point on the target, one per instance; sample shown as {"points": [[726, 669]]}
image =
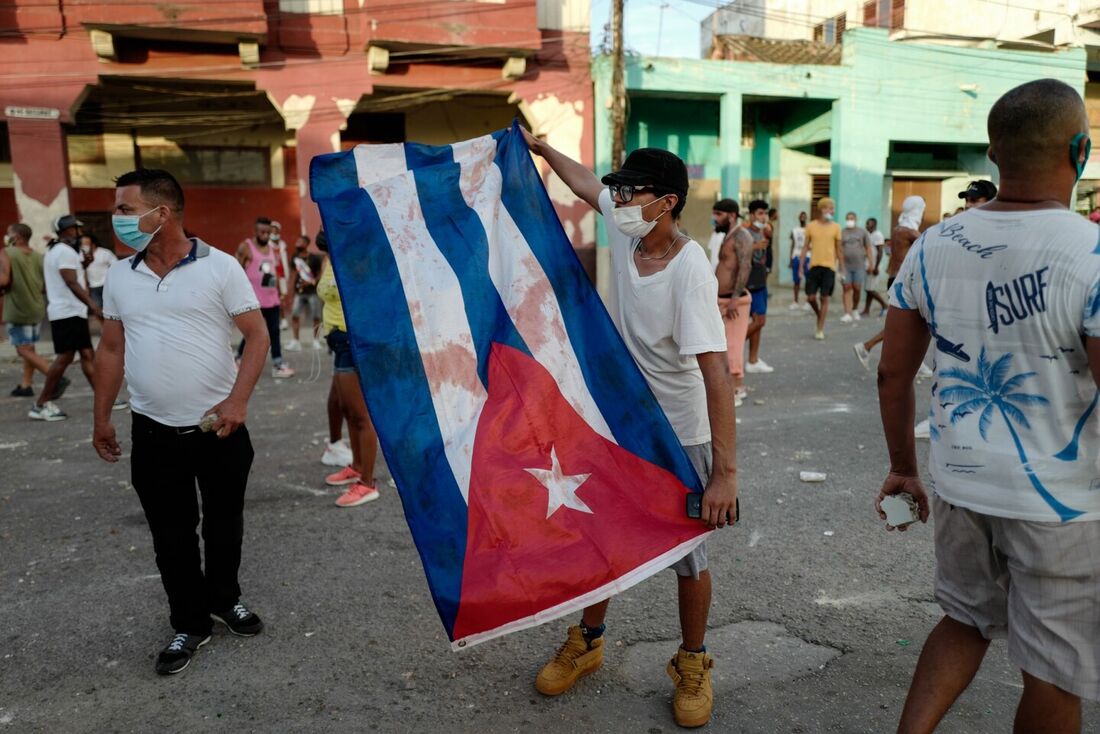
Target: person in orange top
{"points": [[823, 244]]}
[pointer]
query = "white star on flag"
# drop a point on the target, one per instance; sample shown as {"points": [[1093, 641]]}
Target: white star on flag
{"points": [[561, 488]]}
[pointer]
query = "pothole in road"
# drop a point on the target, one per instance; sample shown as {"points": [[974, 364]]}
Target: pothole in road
{"points": [[744, 652]]}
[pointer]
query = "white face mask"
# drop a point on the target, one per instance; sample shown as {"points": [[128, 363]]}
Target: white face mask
{"points": [[629, 221], [850, 223]]}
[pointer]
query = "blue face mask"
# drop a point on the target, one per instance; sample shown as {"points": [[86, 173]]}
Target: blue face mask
{"points": [[1073, 150], [129, 233]]}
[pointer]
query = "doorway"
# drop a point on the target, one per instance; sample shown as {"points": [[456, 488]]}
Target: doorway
{"points": [[928, 189]]}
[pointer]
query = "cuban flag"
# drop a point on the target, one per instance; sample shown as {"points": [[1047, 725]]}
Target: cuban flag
{"points": [[537, 472]]}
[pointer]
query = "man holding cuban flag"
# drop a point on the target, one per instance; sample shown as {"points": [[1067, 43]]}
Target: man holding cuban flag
{"points": [[662, 301], [545, 452]]}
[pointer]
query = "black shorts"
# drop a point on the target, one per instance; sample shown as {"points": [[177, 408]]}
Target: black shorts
{"points": [[820, 278], [70, 335]]}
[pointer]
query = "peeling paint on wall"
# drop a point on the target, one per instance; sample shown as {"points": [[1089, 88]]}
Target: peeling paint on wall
{"points": [[346, 106], [561, 121], [296, 110], [38, 216]]}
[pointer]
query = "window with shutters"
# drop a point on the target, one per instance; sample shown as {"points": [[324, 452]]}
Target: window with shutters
{"points": [[832, 30], [888, 14], [897, 14], [819, 187]]}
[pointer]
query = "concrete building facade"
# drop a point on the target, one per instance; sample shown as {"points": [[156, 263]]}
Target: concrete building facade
{"points": [[868, 123], [235, 97]]}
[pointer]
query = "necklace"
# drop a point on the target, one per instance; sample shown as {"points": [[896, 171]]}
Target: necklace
{"points": [[663, 255]]}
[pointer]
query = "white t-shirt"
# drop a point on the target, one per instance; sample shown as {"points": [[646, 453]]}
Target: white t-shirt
{"points": [[63, 303], [798, 239], [178, 361], [1008, 297], [666, 319], [714, 247], [102, 260]]}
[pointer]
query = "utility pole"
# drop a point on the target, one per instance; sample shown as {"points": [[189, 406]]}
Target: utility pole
{"points": [[618, 86]]}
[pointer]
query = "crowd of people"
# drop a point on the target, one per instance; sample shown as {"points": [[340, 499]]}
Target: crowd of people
{"points": [[1005, 292]]}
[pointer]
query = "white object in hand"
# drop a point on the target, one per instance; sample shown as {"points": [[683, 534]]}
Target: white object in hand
{"points": [[901, 509]]}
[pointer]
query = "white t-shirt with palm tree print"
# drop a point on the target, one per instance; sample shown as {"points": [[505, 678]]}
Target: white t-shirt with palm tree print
{"points": [[1009, 298]]}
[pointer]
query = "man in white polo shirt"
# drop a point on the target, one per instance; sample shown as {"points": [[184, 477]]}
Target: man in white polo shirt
{"points": [[169, 313]]}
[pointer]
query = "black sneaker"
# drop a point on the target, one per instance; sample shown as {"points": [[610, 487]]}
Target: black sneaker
{"points": [[61, 387], [240, 621], [177, 656], [22, 392]]}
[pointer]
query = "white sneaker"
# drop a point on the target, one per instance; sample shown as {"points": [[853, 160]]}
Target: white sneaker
{"points": [[281, 372], [293, 346], [924, 372], [795, 307], [738, 401], [846, 318], [316, 345], [921, 429], [759, 367], [862, 355], [741, 393], [807, 307], [336, 454], [856, 316], [819, 335], [283, 326], [48, 412]]}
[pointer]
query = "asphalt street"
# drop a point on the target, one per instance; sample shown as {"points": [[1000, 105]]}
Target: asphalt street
{"points": [[818, 618]]}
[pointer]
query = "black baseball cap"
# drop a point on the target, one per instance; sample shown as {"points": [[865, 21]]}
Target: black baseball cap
{"points": [[651, 167], [729, 206], [62, 223], [979, 190]]}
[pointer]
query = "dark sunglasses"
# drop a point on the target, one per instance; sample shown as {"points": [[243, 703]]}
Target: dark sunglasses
{"points": [[625, 192]]}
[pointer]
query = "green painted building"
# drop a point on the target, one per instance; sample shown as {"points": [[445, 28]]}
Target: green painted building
{"points": [[869, 125]]}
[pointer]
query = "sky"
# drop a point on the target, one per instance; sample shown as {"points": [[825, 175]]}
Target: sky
{"points": [[651, 31]]}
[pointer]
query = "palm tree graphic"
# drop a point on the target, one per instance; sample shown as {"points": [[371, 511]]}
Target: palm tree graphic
{"points": [[989, 390]]}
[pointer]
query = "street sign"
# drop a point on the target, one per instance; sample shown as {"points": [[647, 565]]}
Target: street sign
{"points": [[33, 113]]}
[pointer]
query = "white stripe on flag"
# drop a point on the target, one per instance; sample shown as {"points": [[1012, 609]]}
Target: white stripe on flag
{"points": [[439, 321], [522, 283], [374, 163]]}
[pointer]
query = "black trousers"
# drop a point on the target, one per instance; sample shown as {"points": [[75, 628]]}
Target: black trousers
{"points": [[166, 465], [271, 316]]}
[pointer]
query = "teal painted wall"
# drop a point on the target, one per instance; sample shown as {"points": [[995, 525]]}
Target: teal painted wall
{"points": [[882, 91], [688, 128]]}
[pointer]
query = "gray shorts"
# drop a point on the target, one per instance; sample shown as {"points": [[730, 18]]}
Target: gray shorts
{"points": [[1036, 583], [309, 301], [855, 276], [695, 562]]}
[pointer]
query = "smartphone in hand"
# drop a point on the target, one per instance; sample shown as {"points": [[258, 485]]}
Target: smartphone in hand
{"points": [[694, 503]]}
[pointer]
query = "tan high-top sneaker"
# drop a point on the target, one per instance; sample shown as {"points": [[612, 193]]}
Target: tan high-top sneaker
{"points": [[694, 697], [575, 659]]}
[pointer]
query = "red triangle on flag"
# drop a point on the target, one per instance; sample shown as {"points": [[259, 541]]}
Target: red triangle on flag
{"points": [[610, 512]]}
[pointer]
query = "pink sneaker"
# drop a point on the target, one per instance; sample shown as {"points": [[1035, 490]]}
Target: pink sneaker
{"points": [[357, 494], [347, 475]]}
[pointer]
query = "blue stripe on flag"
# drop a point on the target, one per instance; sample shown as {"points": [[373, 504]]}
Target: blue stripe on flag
{"points": [[331, 175], [458, 233], [394, 384], [613, 378]]}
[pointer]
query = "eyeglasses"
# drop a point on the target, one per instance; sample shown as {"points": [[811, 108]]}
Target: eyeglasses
{"points": [[625, 192]]}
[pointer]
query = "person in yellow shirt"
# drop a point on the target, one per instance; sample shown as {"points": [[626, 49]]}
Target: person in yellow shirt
{"points": [[359, 475], [823, 243]]}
